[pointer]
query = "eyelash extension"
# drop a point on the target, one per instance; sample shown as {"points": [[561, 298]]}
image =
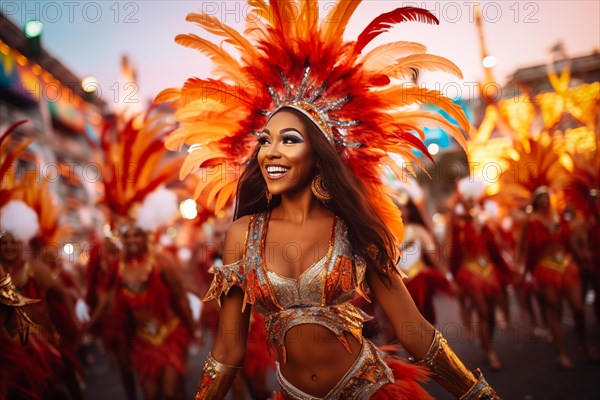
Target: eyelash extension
{"points": [[292, 139], [262, 141]]}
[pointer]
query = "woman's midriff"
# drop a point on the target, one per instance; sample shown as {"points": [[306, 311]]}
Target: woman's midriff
{"points": [[316, 359]]}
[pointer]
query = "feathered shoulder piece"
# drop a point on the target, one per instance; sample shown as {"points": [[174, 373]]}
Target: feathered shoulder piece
{"points": [[287, 57]]}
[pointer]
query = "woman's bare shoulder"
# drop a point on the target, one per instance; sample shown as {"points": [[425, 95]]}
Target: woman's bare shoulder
{"points": [[234, 239], [238, 227]]}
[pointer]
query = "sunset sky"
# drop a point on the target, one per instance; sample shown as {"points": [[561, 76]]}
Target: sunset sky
{"points": [[90, 37]]}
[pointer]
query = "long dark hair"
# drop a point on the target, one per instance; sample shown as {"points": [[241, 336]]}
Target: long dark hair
{"points": [[368, 235], [416, 217]]}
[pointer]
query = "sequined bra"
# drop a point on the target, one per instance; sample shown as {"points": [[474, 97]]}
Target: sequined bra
{"points": [[321, 295]]}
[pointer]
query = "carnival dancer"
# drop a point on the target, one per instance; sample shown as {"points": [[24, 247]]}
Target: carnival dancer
{"points": [[420, 259], [148, 294], [313, 223], [583, 193], [15, 382], [28, 359], [478, 264], [547, 244], [593, 233], [32, 277], [106, 319], [60, 305]]}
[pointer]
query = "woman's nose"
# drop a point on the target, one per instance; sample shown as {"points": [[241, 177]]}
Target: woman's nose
{"points": [[273, 151]]}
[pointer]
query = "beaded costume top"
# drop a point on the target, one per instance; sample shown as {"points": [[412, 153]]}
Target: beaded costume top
{"points": [[321, 295]]}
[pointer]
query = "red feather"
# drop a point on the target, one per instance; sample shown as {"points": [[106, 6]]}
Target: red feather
{"points": [[130, 134], [380, 80], [155, 146], [385, 21], [10, 130], [415, 141]]}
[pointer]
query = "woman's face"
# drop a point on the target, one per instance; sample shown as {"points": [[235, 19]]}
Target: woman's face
{"points": [[134, 241], [10, 248], [542, 201], [286, 156]]}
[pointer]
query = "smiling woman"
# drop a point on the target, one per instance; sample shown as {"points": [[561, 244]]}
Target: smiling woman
{"points": [[313, 225], [285, 154]]}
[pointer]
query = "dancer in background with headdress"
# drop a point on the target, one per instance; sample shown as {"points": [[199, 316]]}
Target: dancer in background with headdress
{"points": [[546, 246], [477, 263], [326, 117], [32, 277], [148, 295], [583, 193], [47, 246], [593, 233], [23, 376], [420, 257], [106, 320], [29, 360]]}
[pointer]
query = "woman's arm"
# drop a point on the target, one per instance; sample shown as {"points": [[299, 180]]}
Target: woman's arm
{"points": [[167, 265], [424, 343], [229, 348], [43, 275], [103, 305], [431, 250], [414, 332]]}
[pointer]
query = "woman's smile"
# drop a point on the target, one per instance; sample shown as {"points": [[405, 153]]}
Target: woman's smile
{"points": [[286, 155], [276, 171]]}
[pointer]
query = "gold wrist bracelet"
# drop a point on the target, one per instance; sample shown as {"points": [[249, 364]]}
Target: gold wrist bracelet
{"points": [[216, 379], [451, 373]]}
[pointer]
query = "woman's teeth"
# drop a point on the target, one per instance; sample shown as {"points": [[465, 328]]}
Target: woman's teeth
{"points": [[276, 172]]}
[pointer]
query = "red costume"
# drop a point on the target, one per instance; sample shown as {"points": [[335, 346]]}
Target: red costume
{"points": [[162, 341], [476, 260], [548, 257]]}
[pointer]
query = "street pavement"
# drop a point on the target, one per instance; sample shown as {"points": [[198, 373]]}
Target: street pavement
{"points": [[530, 370]]}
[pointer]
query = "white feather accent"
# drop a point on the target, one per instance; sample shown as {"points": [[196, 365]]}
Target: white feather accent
{"points": [[491, 208], [158, 209], [411, 186], [82, 311], [19, 220], [195, 305], [471, 188]]}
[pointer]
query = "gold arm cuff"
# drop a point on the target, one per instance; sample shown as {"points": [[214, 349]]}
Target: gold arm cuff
{"points": [[216, 379], [481, 390], [451, 373]]}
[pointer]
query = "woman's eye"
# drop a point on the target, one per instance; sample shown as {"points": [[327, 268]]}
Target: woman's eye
{"points": [[263, 140], [292, 140]]}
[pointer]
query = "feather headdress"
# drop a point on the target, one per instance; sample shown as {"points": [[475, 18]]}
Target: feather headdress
{"points": [[16, 217], [38, 195], [584, 182], [133, 163], [305, 64], [533, 164], [9, 153]]}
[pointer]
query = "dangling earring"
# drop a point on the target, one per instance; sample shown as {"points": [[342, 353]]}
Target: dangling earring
{"points": [[269, 196], [319, 190]]}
